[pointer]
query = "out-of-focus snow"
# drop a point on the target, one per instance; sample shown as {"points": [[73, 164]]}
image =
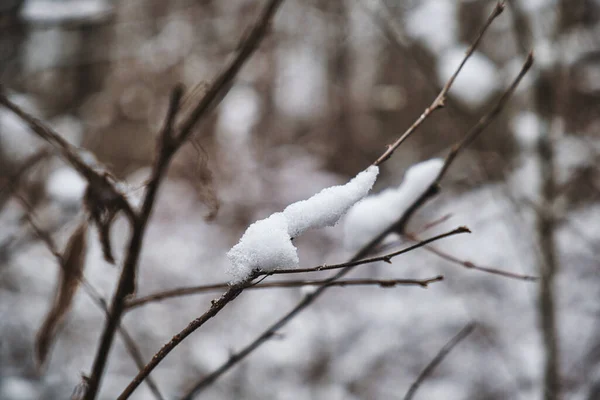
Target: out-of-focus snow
{"points": [[476, 82], [434, 22], [301, 82], [66, 186], [526, 129], [52, 11], [239, 112], [16, 388], [374, 214], [267, 244]]}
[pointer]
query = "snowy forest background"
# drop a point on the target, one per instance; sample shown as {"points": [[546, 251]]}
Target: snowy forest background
{"points": [[331, 85]]}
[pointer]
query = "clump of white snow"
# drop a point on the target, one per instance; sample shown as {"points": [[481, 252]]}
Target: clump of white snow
{"points": [[476, 82], [373, 215], [326, 207], [267, 244]]}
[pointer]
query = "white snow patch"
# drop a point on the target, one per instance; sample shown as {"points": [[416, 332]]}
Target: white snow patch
{"points": [[477, 80], [526, 128], [17, 388], [434, 22], [301, 82], [239, 112], [267, 244], [66, 186], [373, 215], [51, 11]]}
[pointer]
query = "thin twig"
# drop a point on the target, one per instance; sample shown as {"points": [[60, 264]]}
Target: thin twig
{"points": [[217, 287], [221, 286], [440, 100], [439, 357], [401, 223], [473, 133], [13, 181], [471, 265]]}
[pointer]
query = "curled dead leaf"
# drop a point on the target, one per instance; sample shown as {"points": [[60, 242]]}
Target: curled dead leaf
{"points": [[71, 272]]}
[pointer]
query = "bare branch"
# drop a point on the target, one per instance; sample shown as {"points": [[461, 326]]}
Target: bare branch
{"points": [[440, 100], [439, 357], [191, 290], [219, 88], [473, 133], [100, 182], [471, 265], [13, 181]]}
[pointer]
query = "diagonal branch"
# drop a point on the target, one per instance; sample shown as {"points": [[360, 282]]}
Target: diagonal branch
{"points": [[439, 357], [471, 265], [100, 182], [440, 100]]}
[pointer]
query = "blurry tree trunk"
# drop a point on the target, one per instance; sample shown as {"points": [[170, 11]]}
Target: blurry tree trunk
{"points": [[547, 93], [546, 226]]}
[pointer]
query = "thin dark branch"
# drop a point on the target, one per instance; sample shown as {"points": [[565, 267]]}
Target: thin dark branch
{"points": [[14, 180], [219, 88], [217, 287], [439, 357], [471, 265], [440, 100], [473, 133], [221, 286], [101, 182]]}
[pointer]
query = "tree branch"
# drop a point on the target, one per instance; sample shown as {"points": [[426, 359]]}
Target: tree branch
{"points": [[440, 100], [471, 265], [439, 357]]}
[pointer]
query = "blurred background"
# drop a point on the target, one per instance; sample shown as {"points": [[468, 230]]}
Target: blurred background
{"points": [[331, 85]]}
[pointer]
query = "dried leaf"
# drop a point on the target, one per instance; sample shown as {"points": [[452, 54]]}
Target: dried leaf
{"points": [[102, 209], [70, 276]]}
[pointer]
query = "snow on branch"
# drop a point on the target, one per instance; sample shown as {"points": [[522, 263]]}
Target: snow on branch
{"points": [[371, 216], [267, 244]]}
